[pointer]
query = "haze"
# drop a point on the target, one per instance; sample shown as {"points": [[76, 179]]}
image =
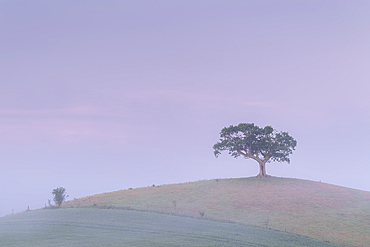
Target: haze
{"points": [[99, 96]]}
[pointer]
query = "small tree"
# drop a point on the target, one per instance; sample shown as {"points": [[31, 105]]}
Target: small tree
{"points": [[261, 144], [59, 195]]}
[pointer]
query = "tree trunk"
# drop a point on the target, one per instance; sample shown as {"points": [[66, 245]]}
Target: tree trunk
{"points": [[261, 163], [262, 173]]}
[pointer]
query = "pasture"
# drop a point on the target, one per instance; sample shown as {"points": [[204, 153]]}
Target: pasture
{"points": [[317, 210], [111, 227]]}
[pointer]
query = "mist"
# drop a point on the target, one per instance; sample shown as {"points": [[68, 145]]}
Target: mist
{"points": [[99, 97]]}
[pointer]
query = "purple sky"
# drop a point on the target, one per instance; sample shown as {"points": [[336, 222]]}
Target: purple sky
{"points": [[98, 96]]}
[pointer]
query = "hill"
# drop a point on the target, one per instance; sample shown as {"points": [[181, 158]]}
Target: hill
{"points": [[97, 227], [317, 210]]}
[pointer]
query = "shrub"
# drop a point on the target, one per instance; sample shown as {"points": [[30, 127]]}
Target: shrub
{"points": [[59, 195], [201, 213]]}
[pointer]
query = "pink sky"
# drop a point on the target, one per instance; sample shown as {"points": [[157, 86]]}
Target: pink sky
{"points": [[103, 96]]}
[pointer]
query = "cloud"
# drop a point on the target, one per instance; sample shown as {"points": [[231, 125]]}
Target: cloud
{"points": [[65, 131], [276, 106], [75, 110], [202, 99], [74, 125], [257, 103], [171, 95]]}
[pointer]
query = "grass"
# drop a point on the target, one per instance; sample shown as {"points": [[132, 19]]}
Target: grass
{"points": [[97, 227], [317, 210]]}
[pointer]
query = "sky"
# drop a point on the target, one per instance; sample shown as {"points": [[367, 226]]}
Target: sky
{"points": [[99, 96]]}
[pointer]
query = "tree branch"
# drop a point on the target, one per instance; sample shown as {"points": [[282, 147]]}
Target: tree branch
{"points": [[250, 156]]}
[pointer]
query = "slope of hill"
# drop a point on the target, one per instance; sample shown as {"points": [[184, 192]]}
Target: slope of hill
{"points": [[97, 227], [313, 209]]}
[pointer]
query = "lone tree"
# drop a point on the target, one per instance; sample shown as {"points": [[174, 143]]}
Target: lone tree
{"points": [[59, 195], [261, 144]]}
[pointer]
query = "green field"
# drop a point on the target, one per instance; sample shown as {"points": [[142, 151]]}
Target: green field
{"points": [[220, 212], [317, 210], [112, 227]]}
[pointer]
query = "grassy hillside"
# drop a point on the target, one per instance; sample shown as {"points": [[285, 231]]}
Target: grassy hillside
{"points": [[97, 227], [317, 210]]}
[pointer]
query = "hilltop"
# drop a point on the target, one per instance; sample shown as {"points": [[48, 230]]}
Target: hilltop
{"points": [[313, 209]]}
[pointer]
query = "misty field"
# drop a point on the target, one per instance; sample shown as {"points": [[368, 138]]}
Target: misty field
{"points": [[317, 210], [111, 227]]}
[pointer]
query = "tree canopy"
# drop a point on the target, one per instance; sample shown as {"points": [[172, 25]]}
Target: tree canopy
{"points": [[59, 195], [260, 144]]}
